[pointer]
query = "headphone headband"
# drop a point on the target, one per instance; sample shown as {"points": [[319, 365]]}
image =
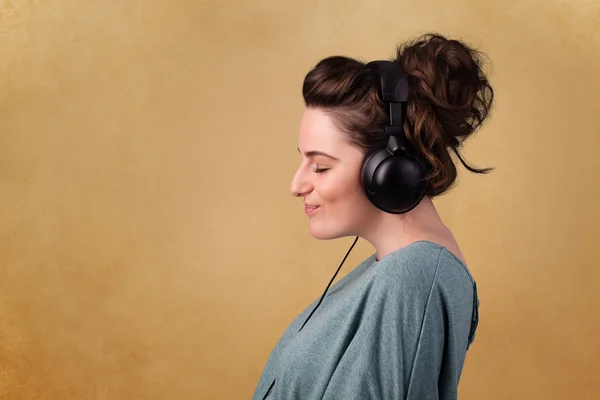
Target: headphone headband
{"points": [[393, 90], [393, 87]]}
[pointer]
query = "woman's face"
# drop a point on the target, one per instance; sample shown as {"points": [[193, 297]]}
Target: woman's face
{"points": [[328, 179]]}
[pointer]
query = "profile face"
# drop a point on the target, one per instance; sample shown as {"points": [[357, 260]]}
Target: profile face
{"points": [[328, 179]]}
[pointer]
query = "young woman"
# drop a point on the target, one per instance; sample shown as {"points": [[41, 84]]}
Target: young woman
{"points": [[375, 142]]}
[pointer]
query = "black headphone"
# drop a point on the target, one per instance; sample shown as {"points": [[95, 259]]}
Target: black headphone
{"points": [[393, 173]]}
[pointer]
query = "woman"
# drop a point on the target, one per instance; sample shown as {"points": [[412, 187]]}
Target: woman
{"points": [[398, 325]]}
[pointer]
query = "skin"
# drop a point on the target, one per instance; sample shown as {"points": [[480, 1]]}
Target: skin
{"points": [[332, 182]]}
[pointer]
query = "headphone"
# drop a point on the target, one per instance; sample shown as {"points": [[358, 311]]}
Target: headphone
{"points": [[393, 173]]}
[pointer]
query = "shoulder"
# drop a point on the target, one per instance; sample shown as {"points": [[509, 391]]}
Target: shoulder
{"points": [[421, 266], [426, 282]]}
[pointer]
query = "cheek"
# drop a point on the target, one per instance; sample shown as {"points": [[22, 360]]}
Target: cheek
{"points": [[340, 193], [345, 207]]}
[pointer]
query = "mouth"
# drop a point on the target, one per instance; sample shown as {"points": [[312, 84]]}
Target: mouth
{"points": [[310, 209]]}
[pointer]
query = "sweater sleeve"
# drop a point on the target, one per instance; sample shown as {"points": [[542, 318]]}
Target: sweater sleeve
{"points": [[410, 338]]}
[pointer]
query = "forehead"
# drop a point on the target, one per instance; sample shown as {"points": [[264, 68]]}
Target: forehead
{"points": [[318, 132]]}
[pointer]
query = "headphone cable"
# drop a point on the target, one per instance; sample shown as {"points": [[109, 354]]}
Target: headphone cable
{"points": [[330, 282], [318, 304]]}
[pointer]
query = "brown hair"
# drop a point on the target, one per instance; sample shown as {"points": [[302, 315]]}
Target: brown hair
{"points": [[450, 97]]}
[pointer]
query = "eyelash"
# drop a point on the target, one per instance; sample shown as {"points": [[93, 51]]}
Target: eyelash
{"points": [[320, 170]]}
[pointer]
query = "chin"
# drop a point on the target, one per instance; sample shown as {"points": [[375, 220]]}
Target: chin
{"points": [[326, 233], [321, 236]]}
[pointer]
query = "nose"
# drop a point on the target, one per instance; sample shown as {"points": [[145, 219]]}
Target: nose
{"points": [[300, 185]]}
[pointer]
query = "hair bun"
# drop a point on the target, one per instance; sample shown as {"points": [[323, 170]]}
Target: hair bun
{"points": [[450, 98]]}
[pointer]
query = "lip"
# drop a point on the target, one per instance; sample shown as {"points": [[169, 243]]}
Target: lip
{"points": [[309, 210]]}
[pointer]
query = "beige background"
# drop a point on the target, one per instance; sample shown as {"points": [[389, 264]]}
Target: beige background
{"points": [[149, 247]]}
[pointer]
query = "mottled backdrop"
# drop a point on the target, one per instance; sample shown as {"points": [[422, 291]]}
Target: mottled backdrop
{"points": [[149, 248]]}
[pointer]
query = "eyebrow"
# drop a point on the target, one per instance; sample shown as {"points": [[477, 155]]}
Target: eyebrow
{"points": [[314, 153]]}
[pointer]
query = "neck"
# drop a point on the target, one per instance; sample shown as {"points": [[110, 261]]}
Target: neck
{"points": [[390, 232]]}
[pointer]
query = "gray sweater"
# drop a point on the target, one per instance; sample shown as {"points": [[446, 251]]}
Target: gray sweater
{"points": [[397, 328]]}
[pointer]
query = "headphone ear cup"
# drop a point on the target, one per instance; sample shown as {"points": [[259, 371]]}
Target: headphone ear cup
{"points": [[373, 157], [393, 183]]}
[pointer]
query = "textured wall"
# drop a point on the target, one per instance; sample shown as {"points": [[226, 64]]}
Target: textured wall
{"points": [[149, 248]]}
